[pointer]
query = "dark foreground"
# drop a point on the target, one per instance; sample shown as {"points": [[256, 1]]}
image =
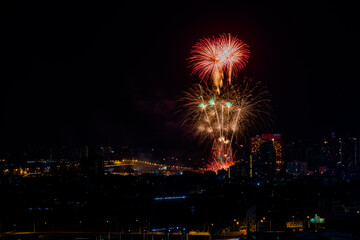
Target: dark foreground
{"points": [[174, 236], [88, 208]]}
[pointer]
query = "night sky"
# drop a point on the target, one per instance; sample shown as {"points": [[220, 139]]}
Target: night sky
{"points": [[111, 74]]}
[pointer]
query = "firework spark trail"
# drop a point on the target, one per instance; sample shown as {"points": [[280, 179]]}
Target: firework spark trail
{"points": [[207, 116], [217, 117], [236, 121], [222, 121]]}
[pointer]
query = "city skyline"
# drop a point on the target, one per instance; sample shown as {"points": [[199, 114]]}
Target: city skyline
{"points": [[225, 120]]}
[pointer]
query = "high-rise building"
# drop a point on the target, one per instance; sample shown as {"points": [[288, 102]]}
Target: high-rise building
{"points": [[266, 155], [347, 153], [278, 146]]}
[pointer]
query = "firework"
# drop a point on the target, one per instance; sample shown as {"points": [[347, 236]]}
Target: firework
{"points": [[234, 54], [233, 113], [221, 157], [222, 118], [211, 57], [205, 61]]}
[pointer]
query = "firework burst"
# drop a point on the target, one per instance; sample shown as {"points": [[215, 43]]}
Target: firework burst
{"points": [[211, 57], [232, 114], [223, 118], [206, 62], [221, 157], [205, 58], [234, 54]]}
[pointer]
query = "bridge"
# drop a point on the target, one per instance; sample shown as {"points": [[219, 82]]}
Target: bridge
{"points": [[134, 167]]}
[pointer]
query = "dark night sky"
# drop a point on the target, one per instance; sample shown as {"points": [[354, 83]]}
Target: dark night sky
{"points": [[110, 74]]}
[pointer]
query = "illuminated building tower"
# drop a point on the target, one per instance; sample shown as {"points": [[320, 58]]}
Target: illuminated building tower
{"points": [[262, 149], [278, 146], [262, 158], [255, 143], [350, 153], [347, 153]]}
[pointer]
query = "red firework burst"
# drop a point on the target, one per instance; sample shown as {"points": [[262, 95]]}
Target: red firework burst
{"points": [[221, 156], [234, 54], [205, 59], [214, 56]]}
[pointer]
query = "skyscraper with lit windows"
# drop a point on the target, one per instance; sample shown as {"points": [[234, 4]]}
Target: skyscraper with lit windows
{"points": [[266, 154]]}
